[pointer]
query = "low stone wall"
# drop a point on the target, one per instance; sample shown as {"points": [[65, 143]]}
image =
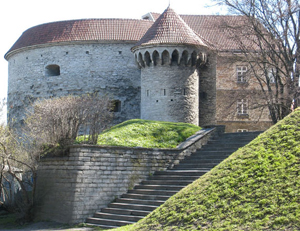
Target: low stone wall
{"points": [[70, 189]]}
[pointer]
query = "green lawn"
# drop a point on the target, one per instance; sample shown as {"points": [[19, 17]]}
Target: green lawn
{"points": [[147, 133], [256, 188]]}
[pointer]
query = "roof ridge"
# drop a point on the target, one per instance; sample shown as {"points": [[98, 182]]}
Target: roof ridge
{"points": [[86, 19]]}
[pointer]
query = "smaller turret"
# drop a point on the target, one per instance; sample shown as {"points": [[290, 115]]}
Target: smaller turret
{"points": [[168, 55]]}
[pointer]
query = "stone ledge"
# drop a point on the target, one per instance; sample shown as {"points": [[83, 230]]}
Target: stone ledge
{"points": [[194, 138]]}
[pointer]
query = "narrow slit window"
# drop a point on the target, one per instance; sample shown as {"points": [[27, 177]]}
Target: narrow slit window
{"points": [[116, 106]]}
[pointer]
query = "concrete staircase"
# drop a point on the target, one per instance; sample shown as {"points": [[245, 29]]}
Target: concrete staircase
{"points": [[151, 193]]}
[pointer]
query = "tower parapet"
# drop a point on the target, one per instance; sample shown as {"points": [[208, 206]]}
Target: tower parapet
{"points": [[172, 55]]}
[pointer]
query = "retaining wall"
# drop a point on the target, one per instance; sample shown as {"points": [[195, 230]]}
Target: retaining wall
{"points": [[72, 188]]}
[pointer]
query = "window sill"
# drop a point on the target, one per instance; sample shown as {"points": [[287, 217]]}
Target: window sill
{"points": [[243, 116], [242, 83]]}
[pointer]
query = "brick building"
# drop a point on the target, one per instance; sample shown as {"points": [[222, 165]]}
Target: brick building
{"points": [[163, 67]]}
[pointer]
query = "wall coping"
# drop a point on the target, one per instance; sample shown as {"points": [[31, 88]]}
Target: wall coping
{"points": [[194, 138]]}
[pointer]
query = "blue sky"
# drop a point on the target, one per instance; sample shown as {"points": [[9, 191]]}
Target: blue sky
{"points": [[18, 15]]}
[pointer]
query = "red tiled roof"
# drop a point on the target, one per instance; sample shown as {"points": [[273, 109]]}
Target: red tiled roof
{"points": [[211, 29], [221, 30], [170, 28], [83, 30]]}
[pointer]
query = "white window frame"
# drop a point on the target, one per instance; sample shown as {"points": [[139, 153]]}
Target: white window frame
{"points": [[242, 107], [241, 73], [242, 130], [271, 75]]}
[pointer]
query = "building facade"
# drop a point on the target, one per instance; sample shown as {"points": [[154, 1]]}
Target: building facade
{"points": [[163, 67]]}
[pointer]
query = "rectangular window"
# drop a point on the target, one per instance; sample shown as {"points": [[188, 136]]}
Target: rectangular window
{"points": [[241, 73], [242, 130], [242, 107], [147, 92], [116, 106], [271, 75]]}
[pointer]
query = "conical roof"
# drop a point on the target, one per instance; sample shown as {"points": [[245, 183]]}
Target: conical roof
{"points": [[170, 28]]}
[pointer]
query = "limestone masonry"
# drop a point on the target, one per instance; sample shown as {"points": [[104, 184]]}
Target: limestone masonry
{"points": [[163, 67]]}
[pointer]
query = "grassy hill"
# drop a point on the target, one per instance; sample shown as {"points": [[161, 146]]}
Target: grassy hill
{"points": [[256, 188], [147, 133]]}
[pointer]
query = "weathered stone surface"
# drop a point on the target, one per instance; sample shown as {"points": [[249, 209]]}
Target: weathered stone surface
{"points": [[69, 190], [84, 68]]}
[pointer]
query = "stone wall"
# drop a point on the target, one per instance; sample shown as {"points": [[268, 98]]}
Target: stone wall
{"points": [[169, 83], [230, 91], [237, 126], [72, 188], [170, 93], [107, 68], [207, 92]]}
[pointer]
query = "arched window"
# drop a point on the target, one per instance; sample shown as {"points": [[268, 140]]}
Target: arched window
{"points": [[165, 57], [175, 57], [52, 70], [140, 60], [194, 58], [155, 58], [184, 58], [147, 58]]}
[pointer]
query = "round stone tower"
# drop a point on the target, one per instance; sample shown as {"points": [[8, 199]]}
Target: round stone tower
{"points": [[168, 55]]}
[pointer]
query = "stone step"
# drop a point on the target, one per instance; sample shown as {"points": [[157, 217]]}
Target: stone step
{"points": [[153, 192], [132, 206], [225, 144], [164, 182], [113, 216], [163, 187], [114, 223], [180, 172], [203, 160], [189, 167], [172, 178], [128, 212], [217, 148], [145, 197], [139, 201], [194, 164], [211, 153]]}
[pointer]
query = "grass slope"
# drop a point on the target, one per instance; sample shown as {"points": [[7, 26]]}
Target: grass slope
{"points": [[147, 133], [256, 188]]}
